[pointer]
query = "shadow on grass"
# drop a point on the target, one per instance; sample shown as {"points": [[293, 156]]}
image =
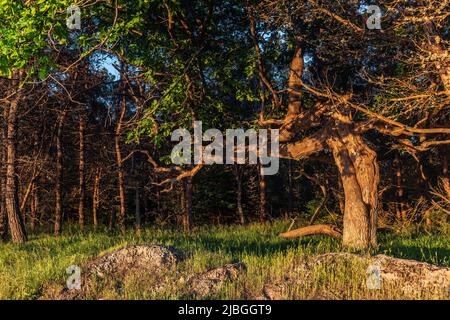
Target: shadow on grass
{"points": [[258, 247], [425, 249], [438, 256]]}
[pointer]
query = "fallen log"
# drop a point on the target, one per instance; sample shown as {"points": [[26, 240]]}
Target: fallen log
{"points": [[312, 230]]}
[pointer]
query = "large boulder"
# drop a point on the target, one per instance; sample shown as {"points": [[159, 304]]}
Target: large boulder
{"points": [[412, 279], [207, 283], [134, 258], [154, 267]]}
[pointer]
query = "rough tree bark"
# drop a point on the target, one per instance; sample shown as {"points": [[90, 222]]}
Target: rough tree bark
{"points": [[289, 130], [16, 225], [359, 173], [59, 174], [295, 82]]}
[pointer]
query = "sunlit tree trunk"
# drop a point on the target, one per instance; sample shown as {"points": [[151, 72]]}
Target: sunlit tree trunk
{"points": [[120, 173], [359, 173], [295, 81]]}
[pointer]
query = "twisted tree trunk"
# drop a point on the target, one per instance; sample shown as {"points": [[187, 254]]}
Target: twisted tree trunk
{"points": [[359, 173]]}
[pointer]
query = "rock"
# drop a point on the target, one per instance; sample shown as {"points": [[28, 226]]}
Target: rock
{"points": [[209, 282], [274, 291], [135, 258], [151, 267], [413, 278]]}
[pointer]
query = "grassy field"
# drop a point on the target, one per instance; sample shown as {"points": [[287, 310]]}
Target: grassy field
{"points": [[26, 270]]}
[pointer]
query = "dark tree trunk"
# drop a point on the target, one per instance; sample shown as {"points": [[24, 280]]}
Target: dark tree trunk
{"points": [[146, 204], [59, 175], [137, 207], [82, 184], [34, 207], [37, 206], [262, 195], [112, 218], [290, 190], [137, 197], [424, 183], [238, 176], [187, 214], [16, 226], [3, 213], [3, 223]]}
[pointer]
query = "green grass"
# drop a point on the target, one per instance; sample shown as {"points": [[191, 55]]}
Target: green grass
{"points": [[26, 270]]}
